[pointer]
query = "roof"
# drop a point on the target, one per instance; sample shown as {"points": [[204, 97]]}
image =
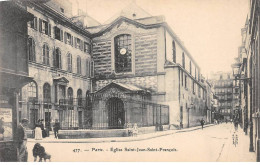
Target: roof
{"points": [[131, 11]]}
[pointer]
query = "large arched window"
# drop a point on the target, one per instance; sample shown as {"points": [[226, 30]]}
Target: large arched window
{"points": [[57, 58], [45, 54], [32, 90], [69, 60], [70, 96], [173, 52], [46, 93], [31, 50], [78, 65], [79, 96], [183, 60], [123, 53]]}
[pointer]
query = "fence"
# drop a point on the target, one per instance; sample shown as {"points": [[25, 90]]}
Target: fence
{"points": [[97, 112]]}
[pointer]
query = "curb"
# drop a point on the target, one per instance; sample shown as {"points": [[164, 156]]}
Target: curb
{"points": [[123, 140]]}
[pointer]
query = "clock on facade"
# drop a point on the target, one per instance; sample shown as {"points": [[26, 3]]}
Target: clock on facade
{"points": [[123, 51]]}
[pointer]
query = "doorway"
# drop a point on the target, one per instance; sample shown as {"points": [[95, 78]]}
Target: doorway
{"points": [[116, 113]]}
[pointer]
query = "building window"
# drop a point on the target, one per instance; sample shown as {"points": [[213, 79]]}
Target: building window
{"points": [[70, 97], [182, 78], [190, 68], [173, 52], [58, 33], [46, 93], [185, 81], [193, 87], [45, 54], [57, 58], [79, 97], [32, 91], [183, 60], [33, 23], [78, 65], [78, 44], [44, 27], [68, 39], [123, 53], [62, 10], [69, 59], [31, 50], [87, 48], [195, 73]]}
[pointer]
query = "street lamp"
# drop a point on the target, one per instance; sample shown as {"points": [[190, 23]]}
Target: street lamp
{"points": [[237, 74]]}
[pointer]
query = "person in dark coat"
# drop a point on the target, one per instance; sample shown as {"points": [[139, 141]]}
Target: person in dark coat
{"points": [[202, 122], [21, 140], [56, 128]]}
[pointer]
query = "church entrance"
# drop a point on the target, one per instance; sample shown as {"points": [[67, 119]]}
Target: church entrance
{"points": [[116, 113]]}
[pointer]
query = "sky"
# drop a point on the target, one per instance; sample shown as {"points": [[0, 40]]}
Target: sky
{"points": [[209, 29]]}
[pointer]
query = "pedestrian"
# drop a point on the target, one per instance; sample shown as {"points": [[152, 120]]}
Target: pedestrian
{"points": [[38, 131], [135, 130], [129, 129], [119, 122], [2, 130], [22, 141], [56, 128], [202, 122], [236, 124]]}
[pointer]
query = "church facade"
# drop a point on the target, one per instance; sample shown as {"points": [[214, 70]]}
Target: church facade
{"points": [[132, 69]]}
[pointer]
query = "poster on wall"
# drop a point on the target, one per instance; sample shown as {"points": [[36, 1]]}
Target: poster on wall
{"points": [[6, 124]]}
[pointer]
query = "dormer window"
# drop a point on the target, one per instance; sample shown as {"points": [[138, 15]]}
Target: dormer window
{"points": [[62, 10]]}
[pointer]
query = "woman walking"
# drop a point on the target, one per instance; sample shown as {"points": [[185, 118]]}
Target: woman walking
{"points": [[38, 130]]}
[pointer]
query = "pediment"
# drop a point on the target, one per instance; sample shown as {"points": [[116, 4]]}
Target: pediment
{"points": [[61, 80]]}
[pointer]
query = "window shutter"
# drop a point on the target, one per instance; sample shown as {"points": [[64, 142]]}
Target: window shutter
{"points": [[61, 35], [81, 45], [71, 42], [35, 23], [92, 69], [40, 25], [87, 68], [75, 39], [65, 37], [60, 61], [54, 57], [49, 30]]}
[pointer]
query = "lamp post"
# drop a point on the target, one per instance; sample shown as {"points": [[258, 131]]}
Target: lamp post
{"points": [[246, 80]]}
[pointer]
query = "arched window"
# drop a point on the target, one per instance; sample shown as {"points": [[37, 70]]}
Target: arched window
{"points": [[173, 52], [183, 60], [78, 65], [45, 54], [69, 59], [123, 53], [32, 90], [46, 93], [70, 96], [31, 50], [79, 96], [57, 58]]}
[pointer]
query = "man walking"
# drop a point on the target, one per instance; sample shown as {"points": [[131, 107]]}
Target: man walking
{"points": [[56, 128], [202, 122], [22, 141]]}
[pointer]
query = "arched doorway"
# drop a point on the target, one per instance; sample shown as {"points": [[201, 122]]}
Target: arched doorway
{"points": [[116, 113]]}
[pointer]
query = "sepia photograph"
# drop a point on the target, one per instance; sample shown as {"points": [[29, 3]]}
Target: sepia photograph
{"points": [[129, 81]]}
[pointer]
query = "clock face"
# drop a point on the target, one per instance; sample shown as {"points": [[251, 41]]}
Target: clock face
{"points": [[123, 51]]}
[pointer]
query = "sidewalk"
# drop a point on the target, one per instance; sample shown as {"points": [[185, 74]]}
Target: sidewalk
{"points": [[238, 153], [52, 139]]}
